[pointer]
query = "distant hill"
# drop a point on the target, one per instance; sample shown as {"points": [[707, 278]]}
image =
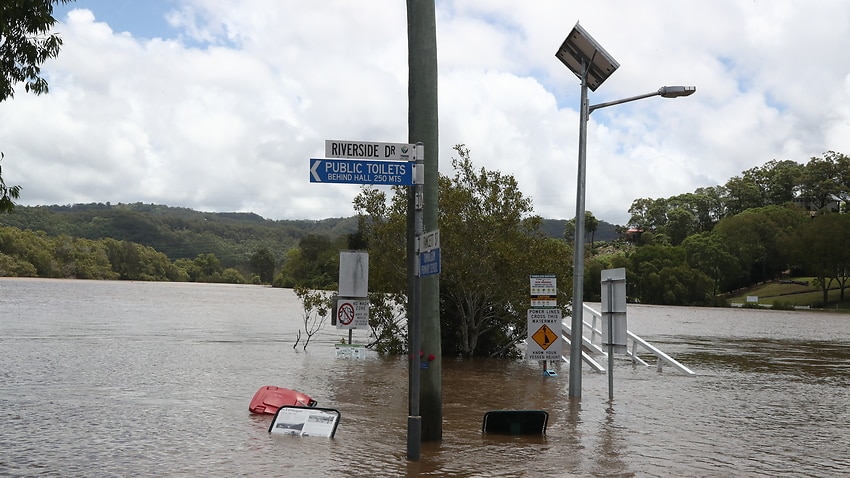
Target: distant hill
{"points": [[604, 231], [185, 233], [177, 232]]}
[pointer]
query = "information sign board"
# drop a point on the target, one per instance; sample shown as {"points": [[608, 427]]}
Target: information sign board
{"points": [[305, 421], [350, 171], [544, 290], [429, 262], [544, 334]]}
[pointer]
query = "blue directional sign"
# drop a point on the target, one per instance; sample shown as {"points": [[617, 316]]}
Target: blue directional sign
{"points": [[429, 262], [351, 171]]}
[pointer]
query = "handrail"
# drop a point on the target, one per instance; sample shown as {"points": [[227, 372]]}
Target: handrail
{"points": [[590, 344]]}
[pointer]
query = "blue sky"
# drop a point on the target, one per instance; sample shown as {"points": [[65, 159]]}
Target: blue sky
{"points": [[219, 105], [141, 18]]}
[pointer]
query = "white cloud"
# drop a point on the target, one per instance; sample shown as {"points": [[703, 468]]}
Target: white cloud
{"points": [[226, 114]]}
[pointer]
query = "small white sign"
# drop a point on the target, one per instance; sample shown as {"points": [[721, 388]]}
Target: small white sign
{"points": [[429, 241]]}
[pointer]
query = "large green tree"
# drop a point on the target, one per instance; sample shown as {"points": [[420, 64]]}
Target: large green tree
{"points": [[824, 180], [752, 236], [820, 247], [659, 274], [707, 254], [262, 264], [490, 243]]}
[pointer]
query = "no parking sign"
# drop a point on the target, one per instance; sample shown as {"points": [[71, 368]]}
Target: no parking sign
{"points": [[352, 314]]}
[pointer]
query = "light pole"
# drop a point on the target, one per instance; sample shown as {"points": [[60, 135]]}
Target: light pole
{"points": [[593, 65]]}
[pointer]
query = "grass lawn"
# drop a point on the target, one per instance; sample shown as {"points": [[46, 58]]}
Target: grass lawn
{"points": [[793, 294]]}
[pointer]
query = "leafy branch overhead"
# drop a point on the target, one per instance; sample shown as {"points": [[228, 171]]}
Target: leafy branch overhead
{"points": [[26, 42], [7, 193]]}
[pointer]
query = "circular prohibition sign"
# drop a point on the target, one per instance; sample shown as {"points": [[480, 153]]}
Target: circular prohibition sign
{"points": [[346, 313]]}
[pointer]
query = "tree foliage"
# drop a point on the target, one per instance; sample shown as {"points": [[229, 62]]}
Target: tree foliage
{"points": [[26, 42], [316, 306], [7, 193], [179, 233], [820, 247], [490, 244], [263, 264]]}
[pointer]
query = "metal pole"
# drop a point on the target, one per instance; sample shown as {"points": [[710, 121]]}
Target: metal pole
{"points": [[414, 420], [576, 332], [610, 285]]}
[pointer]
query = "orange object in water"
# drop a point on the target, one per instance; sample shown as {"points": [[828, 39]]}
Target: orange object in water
{"points": [[269, 399]]}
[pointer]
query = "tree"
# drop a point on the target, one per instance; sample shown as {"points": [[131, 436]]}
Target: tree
{"points": [[778, 181], [659, 274], [742, 193], [590, 225], [822, 178], [820, 246], [314, 264], [490, 244], [317, 305], [262, 264], [26, 43], [752, 236], [7, 193], [707, 254]]}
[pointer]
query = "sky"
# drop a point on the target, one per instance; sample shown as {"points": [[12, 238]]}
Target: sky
{"points": [[219, 105]]}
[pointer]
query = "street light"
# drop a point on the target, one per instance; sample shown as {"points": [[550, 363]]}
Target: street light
{"points": [[593, 65]]}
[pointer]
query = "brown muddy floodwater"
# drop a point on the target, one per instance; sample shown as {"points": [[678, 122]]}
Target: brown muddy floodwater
{"points": [[154, 379]]}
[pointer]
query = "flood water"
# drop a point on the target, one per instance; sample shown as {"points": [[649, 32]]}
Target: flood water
{"points": [[154, 379]]}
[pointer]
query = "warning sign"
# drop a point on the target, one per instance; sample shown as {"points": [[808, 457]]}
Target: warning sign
{"points": [[544, 337], [544, 334], [352, 314]]}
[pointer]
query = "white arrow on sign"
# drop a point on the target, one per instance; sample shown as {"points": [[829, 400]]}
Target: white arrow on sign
{"points": [[314, 172]]}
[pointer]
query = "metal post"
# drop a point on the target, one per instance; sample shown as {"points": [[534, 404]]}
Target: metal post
{"points": [[576, 334], [610, 307], [414, 420]]}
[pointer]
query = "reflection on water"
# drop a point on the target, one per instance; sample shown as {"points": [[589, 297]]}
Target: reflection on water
{"points": [[142, 379]]}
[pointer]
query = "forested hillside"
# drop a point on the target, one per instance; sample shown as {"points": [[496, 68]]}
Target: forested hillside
{"points": [[179, 233]]}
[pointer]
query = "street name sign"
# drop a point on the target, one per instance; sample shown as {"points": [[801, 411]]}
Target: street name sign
{"points": [[350, 171], [369, 150], [429, 241]]}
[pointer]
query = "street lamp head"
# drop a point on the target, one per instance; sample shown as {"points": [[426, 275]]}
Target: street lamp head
{"points": [[676, 91]]}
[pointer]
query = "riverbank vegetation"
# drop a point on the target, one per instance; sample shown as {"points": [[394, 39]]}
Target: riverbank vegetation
{"points": [[764, 233]]}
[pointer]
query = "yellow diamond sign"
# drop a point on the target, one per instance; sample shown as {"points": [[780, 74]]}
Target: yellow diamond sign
{"points": [[544, 337]]}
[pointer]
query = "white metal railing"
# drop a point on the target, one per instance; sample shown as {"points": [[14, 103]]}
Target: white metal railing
{"points": [[593, 345]]}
